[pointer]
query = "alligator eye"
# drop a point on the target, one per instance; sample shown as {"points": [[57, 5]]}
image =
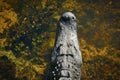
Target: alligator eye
{"points": [[73, 18]]}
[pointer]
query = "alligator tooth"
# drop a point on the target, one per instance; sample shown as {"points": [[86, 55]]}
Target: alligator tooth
{"points": [[60, 60], [54, 78], [57, 62], [53, 72], [58, 65], [55, 67]]}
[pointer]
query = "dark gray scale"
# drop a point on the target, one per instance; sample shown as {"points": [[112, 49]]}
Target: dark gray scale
{"points": [[66, 57]]}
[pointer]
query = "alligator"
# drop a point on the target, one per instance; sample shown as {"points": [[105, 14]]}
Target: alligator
{"points": [[66, 59]]}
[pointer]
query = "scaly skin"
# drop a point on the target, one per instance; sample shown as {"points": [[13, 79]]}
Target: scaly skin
{"points": [[66, 57]]}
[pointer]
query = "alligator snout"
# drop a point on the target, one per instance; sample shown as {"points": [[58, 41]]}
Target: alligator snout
{"points": [[68, 17]]}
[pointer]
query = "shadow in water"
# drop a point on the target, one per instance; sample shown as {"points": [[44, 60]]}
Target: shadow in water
{"points": [[7, 69]]}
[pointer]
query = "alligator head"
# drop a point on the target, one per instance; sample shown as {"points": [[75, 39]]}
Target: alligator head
{"points": [[66, 57], [66, 38]]}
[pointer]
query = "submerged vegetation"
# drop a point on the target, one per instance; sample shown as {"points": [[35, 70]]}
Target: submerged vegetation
{"points": [[28, 29]]}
